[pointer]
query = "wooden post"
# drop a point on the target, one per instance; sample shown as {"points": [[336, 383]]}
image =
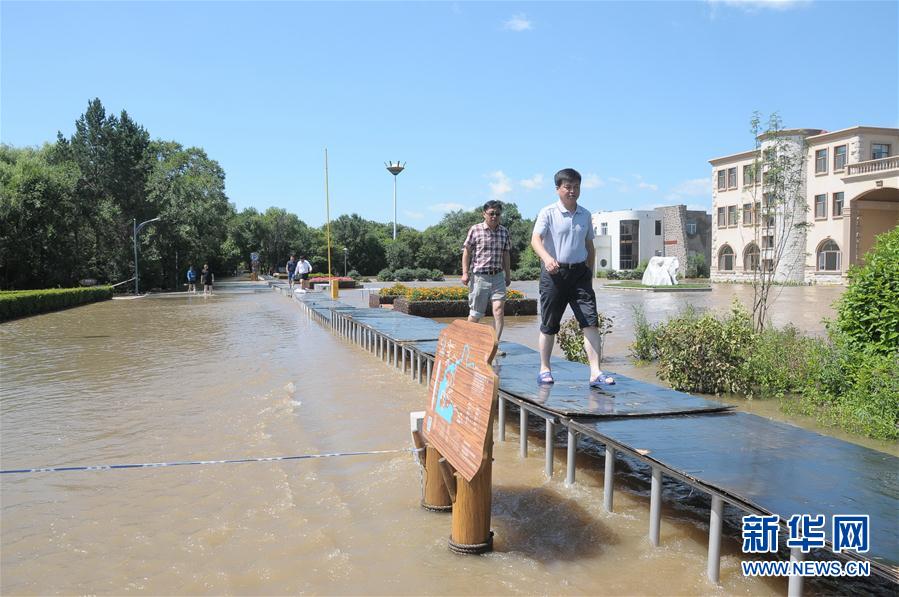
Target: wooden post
{"points": [[459, 422], [436, 497], [471, 514]]}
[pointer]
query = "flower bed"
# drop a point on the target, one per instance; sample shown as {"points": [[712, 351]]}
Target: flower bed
{"points": [[437, 307], [342, 282]]}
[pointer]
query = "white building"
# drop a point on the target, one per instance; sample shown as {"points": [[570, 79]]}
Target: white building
{"points": [[624, 238], [851, 185]]}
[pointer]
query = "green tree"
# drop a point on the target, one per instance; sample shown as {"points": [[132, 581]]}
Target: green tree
{"points": [[364, 249], [187, 190], [779, 206]]}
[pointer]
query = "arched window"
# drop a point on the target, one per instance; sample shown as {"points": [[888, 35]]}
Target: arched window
{"points": [[828, 256], [751, 257], [726, 259]]}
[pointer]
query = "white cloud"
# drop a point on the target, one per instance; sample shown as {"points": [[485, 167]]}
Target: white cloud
{"points": [[445, 207], [756, 5], [695, 187], [518, 22], [534, 182], [592, 181], [615, 180], [646, 185], [413, 215], [500, 186]]}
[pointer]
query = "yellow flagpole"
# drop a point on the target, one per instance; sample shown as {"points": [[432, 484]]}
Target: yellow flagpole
{"points": [[334, 286]]}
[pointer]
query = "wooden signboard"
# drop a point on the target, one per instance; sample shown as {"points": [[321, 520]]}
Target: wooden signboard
{"points": [[461, 395]]}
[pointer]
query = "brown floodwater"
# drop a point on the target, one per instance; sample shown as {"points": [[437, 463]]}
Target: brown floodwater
{"points": [[244, 374]]}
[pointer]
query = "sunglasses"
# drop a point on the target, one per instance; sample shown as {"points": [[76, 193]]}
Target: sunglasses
{"points": [[493, 213]]}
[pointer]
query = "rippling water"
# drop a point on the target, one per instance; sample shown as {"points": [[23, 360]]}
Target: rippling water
{"points": [[244, 374]]}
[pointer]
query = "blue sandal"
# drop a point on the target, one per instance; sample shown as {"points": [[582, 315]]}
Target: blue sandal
{"points": [[602, 380], [545, 378]]}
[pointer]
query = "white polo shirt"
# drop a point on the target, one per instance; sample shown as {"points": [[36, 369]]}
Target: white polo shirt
{"points": [[565, 233]]}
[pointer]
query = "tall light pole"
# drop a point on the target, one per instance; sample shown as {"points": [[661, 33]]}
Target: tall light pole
{"points": [[394, 168], [138, 228], [345, 252]]}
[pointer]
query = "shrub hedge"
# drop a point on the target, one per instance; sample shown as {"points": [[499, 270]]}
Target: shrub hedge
{"points": [[19, 303]]}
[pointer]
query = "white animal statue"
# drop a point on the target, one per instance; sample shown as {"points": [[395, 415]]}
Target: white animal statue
{"points": [[661, 271]]}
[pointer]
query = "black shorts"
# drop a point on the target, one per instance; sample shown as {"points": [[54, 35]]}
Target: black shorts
{"points": [[567, 287], [304, 276]]}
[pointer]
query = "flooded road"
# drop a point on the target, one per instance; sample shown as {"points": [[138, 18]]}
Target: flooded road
{"points": [[243, 374]]}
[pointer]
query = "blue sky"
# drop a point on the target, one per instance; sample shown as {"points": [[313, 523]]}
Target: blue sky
{"points": [[482, 100]]}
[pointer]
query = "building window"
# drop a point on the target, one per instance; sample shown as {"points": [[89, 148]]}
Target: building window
{"points": [[829, 257], [838, 204], [748, 175], [820, 207], [732, 178], [604, 229], [603, 263], [839, 157], [768, 241], [691, 228], [726, 259], [747, 214], [821, 161], [880, 151], [751, 257], [722, 180], [731, 215], [722, 217], [658, 227], [628, 251], [768, 265]]}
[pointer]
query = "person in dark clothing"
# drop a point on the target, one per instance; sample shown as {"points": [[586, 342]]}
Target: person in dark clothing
{"points": [[208, 279]]}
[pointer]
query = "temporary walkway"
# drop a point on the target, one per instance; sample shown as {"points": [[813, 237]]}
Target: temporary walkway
{"points": [[758, 465]]}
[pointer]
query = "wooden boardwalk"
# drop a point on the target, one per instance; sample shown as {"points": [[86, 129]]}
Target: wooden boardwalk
{"points": [[758, 465]]}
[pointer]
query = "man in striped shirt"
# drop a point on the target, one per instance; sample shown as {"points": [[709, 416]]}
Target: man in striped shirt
{"points": [[486, 266]]}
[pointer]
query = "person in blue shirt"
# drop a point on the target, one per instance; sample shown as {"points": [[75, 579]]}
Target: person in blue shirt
{"points": [[563, 239], [191, 279]]}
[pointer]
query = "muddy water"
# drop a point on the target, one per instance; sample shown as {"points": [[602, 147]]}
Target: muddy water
{"points": [[243, 374]]}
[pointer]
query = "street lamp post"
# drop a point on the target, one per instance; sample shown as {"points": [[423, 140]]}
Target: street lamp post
{"points": [[394, 168], [345, 252], [138, 228]]}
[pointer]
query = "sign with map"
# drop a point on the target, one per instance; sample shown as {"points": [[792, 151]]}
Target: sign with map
{"points": [[461, 395]]}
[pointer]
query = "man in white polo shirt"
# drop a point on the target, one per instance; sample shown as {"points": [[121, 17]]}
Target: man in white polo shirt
{"points": [[563, 239]]}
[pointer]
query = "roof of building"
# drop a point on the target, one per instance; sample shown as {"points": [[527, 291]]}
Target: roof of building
{"points": [[812, 136]]}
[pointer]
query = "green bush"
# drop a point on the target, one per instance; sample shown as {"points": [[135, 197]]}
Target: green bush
{"points": [[777, 362], [354, 274], [405, 274], [700, 353], [526, 273], [858, 390], [646, 345], [696, 266], [386, 275], [31, 302], [436, 275], [868, 312], [571, 338], [422, 274], [602, 273]]}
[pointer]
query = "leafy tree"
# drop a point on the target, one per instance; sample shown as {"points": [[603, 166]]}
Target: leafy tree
{"points": [[360, 237], [780, 208], [187, 190]]}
